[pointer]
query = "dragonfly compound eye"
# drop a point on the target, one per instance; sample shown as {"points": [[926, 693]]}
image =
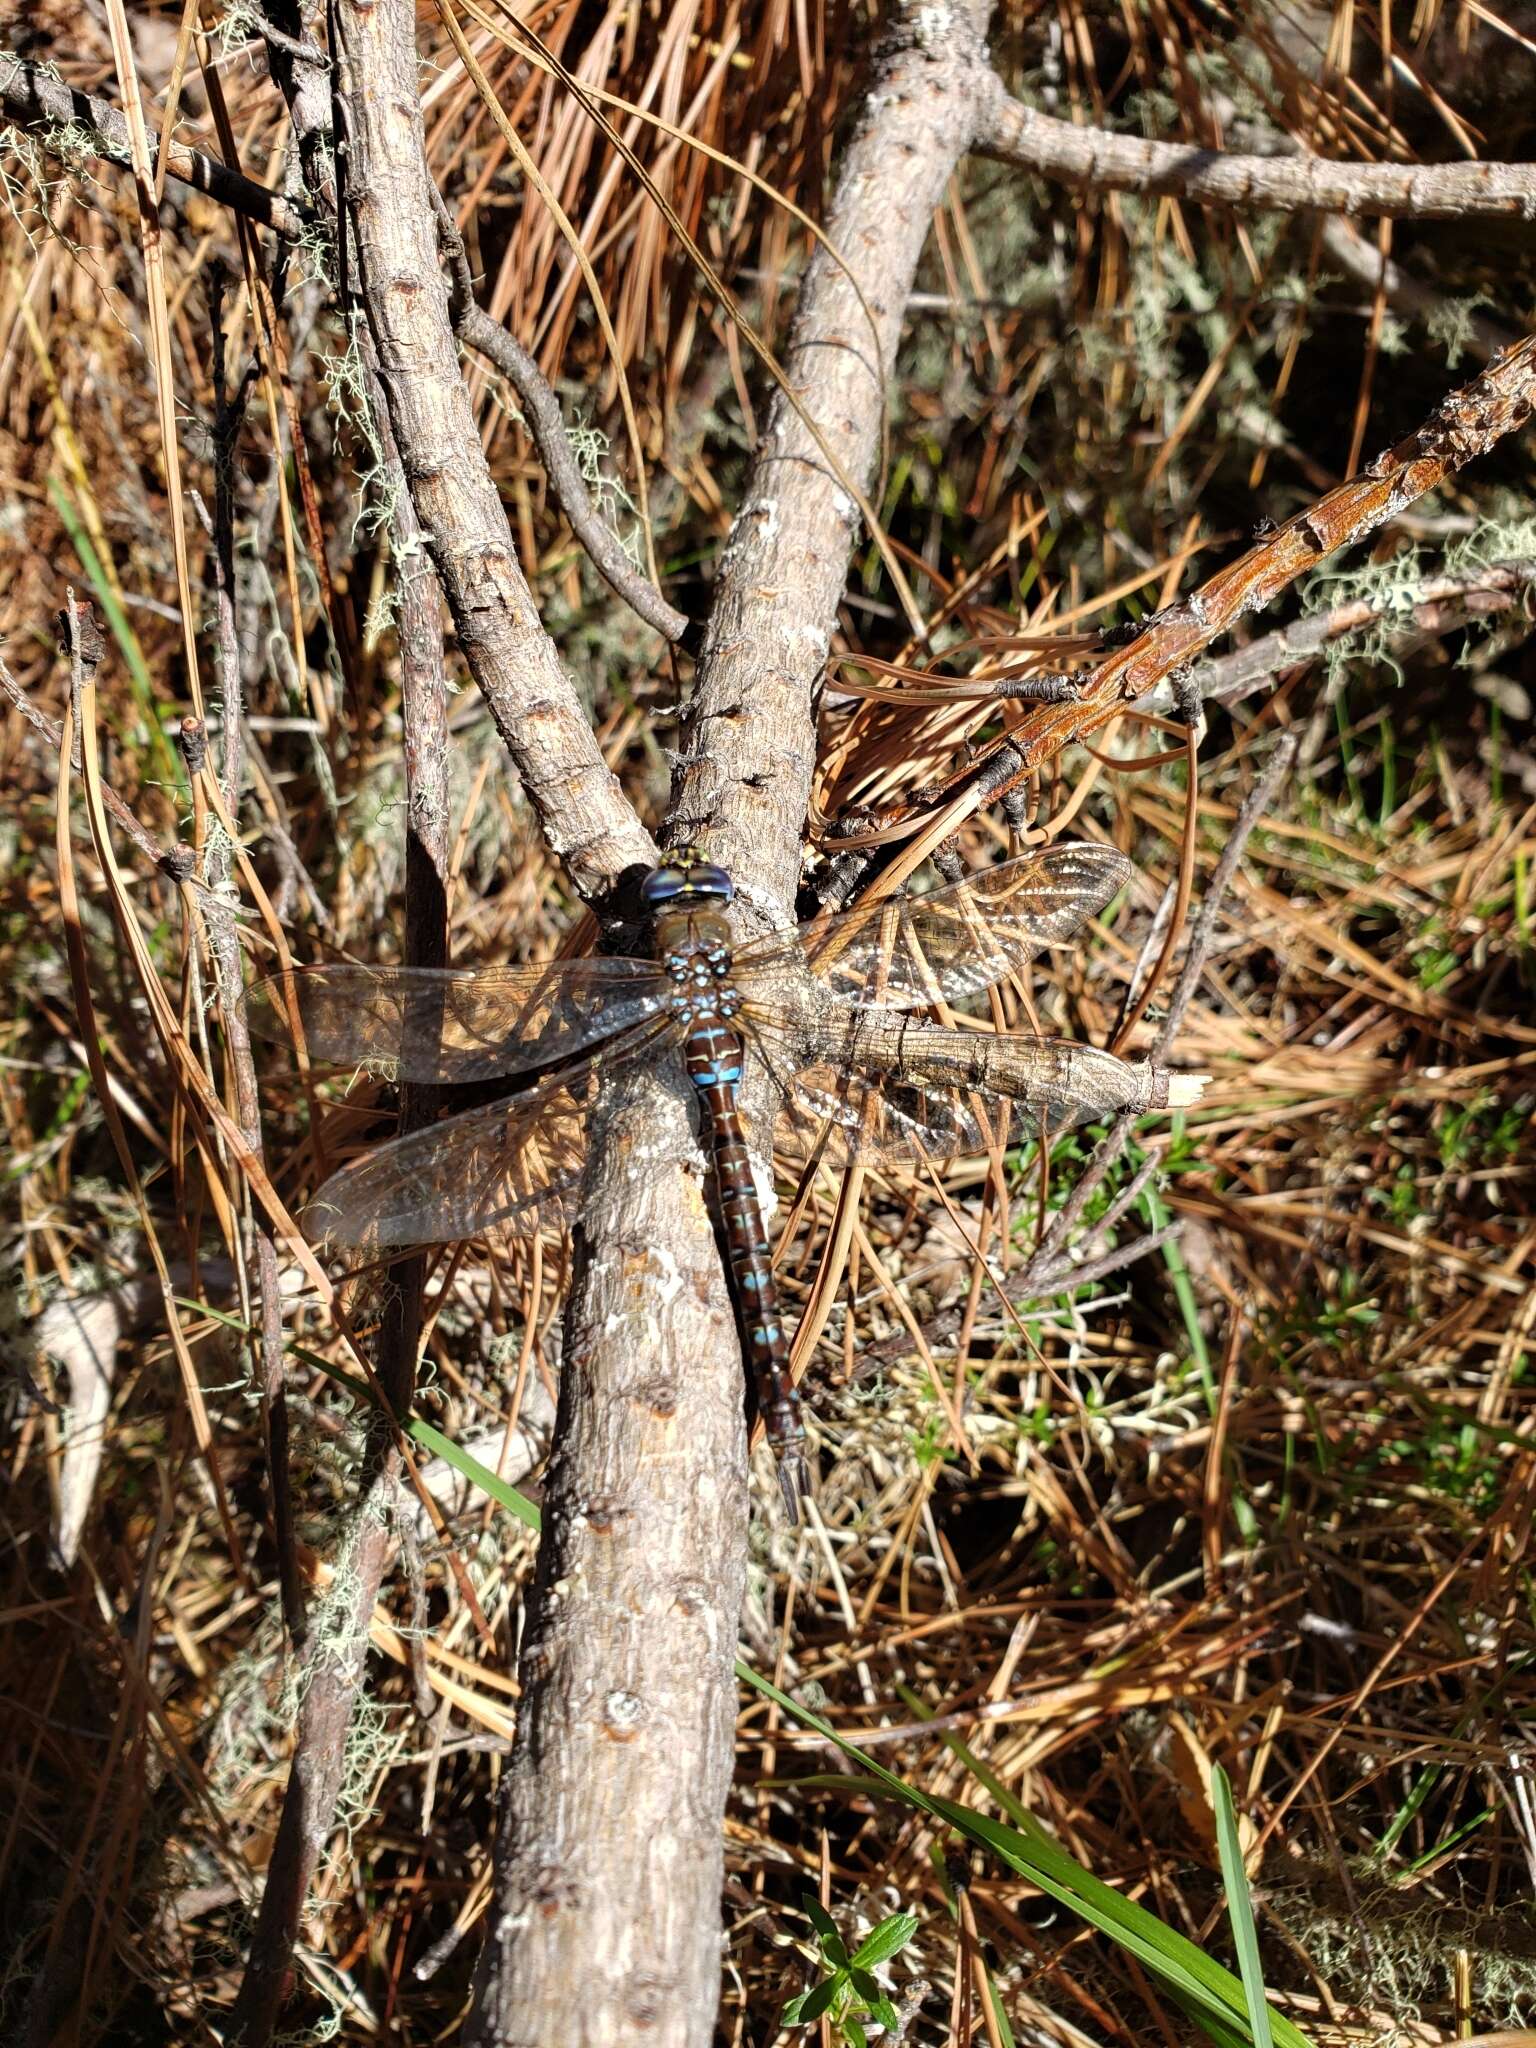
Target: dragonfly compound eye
{"points": [[661, 885], [686, 880]]}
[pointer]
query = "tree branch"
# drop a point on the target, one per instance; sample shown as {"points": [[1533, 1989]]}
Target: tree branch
{"points": [[748, 746], [546, 423], [1070, 155], [35, 100], [337, 1668], [585, 817], [609, 1861], [1364, 264]]}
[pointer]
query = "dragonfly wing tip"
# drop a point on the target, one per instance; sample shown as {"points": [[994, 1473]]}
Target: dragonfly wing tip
{"points": [[1184, 1089]]}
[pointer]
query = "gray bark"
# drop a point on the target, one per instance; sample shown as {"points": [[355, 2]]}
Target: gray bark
{"points": [[1286, 184], [605, 1930]]}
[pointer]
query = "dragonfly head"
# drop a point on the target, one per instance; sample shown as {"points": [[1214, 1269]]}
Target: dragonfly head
{"points": [[686, 881]]}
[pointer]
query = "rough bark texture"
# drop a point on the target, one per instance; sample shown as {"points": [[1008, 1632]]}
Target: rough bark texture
{"points": [[606, 1922], [745, 780], [584, 815]]}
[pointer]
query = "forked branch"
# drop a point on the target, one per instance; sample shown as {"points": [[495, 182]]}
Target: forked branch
{"points": [[610, 1856]]}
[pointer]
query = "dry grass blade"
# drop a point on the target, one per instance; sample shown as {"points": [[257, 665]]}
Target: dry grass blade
{"points": [[159, 330]]}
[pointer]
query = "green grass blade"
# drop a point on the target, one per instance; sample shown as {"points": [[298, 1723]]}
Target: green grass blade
{"points": [[504, 1495], [1208, 1992], [1240, 1909], [1158, 1217], [995, 2000], [419, 1432]]}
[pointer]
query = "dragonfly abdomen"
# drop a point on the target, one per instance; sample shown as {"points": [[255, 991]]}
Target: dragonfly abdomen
{"points": [[712, 1055]]}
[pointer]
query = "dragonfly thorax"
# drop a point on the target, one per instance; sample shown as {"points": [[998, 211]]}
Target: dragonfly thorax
{"points": [[686, 897], [695, 949]]}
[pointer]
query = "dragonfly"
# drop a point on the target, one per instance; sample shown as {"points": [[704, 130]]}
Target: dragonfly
{"points": [[827, 1012]]}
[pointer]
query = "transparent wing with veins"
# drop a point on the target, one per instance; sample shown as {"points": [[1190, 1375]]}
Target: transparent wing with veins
{"points": [[837, 1118], [459, 1024], [834, 1114], [907, 952], [514, 1165]]}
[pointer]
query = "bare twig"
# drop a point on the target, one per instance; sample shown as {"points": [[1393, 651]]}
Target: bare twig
{"points": [[1085, 1272], [35, 100], [1125, 163], [1045, 1269], [541, 410], [315, 1777], [1203, 932], [1364, 264], [428, 849], [291, 46], [224, 945]]}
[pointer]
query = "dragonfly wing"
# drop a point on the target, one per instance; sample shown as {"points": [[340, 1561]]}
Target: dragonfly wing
{"points": [[458, 1024], [905, 1093], [515, 1164], [907, 952], [834, 1112], [837, 1118], [825, 1113]]}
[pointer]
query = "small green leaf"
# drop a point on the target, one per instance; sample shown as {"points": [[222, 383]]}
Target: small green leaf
{"points": [[818, 1998], [884, 2014], [834, 1951], [863, 1983], [854, 2034], [790, 2016], [818, 1915], [886, 1940]]}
